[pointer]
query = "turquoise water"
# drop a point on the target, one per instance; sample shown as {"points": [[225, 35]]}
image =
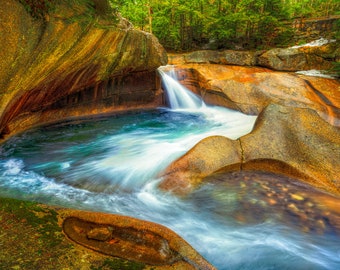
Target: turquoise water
{"points": [[111, 164]]}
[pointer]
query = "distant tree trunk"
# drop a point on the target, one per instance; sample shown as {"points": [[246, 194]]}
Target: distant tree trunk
{"points": [[150, 18]]}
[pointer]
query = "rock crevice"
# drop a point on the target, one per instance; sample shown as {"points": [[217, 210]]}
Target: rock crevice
{"points": [[308, 153]]}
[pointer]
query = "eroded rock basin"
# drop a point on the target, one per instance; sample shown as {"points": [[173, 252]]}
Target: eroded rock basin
{"points": [[234, 219]]}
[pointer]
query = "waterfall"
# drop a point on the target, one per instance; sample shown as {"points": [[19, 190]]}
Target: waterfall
{"points": [[179, 97]]}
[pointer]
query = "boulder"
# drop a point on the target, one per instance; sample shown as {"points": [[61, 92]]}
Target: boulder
{"points": [[132, 239], [300, 57], [226, 57], [294, 142], [311, 56], [76, 58], [206, 157], [251, 89]]}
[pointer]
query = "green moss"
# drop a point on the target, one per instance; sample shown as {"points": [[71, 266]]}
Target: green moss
{"points": [[119, 264], [44, 220]]}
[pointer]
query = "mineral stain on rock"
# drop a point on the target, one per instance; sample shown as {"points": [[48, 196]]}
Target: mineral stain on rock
{"points": [[125, 242], [131, 239]]}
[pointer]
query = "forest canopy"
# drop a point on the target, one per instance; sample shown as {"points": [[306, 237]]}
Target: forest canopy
{"points": [[186, 25]]}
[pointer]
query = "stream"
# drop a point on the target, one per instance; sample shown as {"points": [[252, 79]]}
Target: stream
{"points": [[248, 220]]}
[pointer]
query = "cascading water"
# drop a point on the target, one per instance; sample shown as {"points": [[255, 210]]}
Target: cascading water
{"points": [[111, 165], [178, 96]]}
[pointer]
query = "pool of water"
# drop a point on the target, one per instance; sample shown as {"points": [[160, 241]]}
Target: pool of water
{"points": [[111, 164]]}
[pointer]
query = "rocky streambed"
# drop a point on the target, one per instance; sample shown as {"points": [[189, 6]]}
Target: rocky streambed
{"points": [[68, 65]]}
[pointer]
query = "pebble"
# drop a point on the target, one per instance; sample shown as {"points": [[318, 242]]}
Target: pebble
{"points": [[297, 197], [100, 234], [293, 209], [320, 224], [271, 202]]}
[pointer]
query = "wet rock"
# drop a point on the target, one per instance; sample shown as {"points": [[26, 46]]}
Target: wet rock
{"points": [[74, 61], [293, 209], [251, 89], [289, 141], [131, 239], [100, 234], [308, 153], [208, 156], [296, 197]]}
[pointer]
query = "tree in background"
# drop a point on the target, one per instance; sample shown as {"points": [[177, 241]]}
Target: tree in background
{"points": [[247, 24]]}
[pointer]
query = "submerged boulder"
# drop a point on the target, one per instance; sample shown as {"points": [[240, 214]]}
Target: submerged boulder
{"points": [[294, 142], [72, 58]]}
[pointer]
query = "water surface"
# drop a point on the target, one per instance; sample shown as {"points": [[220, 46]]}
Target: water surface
{"points": [[110, 164]]}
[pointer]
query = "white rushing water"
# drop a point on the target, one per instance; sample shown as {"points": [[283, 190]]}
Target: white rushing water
{"points": [[317, 73], [315, 43], [112, 165]]}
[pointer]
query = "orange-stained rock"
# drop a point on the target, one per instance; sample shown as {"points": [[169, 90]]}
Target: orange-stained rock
{"points": [[206, 157], [295, 142], [291, 141], [251, 89], [132, 239], [75, 59]]}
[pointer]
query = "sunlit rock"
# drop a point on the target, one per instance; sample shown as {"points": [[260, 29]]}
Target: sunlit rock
{"points": [[209, 155], [295, 142], [73, 60], [292, 59], [132, 239], [291, 141], [226, 57], [251, 89], [301, 57]]}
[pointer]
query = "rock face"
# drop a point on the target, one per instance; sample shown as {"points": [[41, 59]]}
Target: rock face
{"points": [[251, 89], [132, 239], [301, 58], [74, 60], [296, 133], [227, 57], [294, 142], [282, 59]]}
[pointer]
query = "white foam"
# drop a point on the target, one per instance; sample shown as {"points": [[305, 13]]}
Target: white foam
{"points": [[316, 73], [315, 43]]}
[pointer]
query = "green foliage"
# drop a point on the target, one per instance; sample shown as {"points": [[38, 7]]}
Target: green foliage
{"points": [[186, 25], [336, 69]]}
